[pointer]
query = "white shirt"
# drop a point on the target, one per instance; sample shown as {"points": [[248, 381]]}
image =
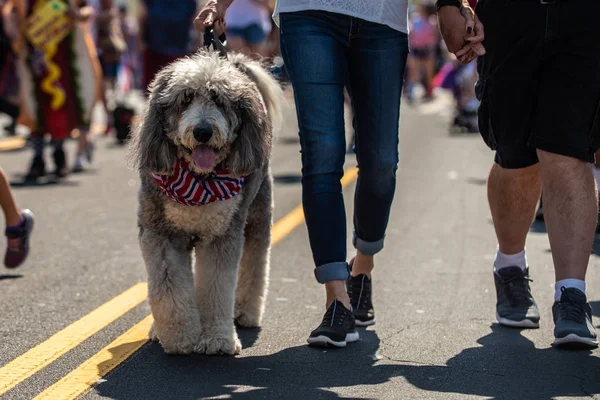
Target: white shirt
{"points": [[392, 13], [243, 13]]}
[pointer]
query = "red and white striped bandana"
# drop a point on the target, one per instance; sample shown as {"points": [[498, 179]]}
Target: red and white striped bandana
{"points": [[188, 189]]}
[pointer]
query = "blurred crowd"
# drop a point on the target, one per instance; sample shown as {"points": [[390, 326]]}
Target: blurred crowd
{"points": [[60, 58]]}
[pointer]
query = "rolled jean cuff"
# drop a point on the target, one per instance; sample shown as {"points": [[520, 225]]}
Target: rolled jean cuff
{"points": [[367, 248], [335, 271]]}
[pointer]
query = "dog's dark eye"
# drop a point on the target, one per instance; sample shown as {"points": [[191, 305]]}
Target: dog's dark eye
{"points": [[215, 99], [187, 98]]}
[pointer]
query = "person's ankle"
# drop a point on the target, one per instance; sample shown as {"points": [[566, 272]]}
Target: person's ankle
{"points": [[15, 222], [363, 265], [336, 290]]}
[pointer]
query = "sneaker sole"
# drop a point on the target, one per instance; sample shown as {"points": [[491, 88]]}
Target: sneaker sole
{"points": [[324, 341], [575, 341], [526, 323], [365, 323]]}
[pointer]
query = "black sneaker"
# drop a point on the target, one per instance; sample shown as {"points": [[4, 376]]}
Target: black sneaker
{"points": [[573, 320], [37, 168], [359, 290], [515, 305], [336, 329], [60, 161]]}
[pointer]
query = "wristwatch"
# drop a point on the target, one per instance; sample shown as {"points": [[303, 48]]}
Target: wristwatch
{"points": [[442, 3]]}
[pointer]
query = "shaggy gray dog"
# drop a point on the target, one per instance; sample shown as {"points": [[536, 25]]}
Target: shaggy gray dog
{"points": [[208, 122]]}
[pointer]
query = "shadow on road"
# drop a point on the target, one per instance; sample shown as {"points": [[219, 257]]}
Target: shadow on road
{"points": [[4, 277], [21, 182], [505, 366], [295, 373], [288, 179]]}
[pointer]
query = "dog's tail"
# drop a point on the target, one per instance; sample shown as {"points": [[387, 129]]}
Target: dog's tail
{"points": [[267, 85]]}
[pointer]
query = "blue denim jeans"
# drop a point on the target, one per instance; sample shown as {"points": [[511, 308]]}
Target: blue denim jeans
{"points": [[323, 53]]}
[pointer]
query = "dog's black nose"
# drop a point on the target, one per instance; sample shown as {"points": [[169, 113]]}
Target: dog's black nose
{"points": [[202, 133]]}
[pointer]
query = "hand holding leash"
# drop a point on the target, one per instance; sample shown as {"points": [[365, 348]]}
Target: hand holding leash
{"points": [[219, 42], [213, 10]]}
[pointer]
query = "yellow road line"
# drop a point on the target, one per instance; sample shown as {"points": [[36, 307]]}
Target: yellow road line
{"points": [[288, 223], [70, 337], [100, 364], [83, 377], [12, 143]]}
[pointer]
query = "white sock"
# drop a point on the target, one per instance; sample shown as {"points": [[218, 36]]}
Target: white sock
{"points": [[510, 260], [596, 175], [567, 283]]}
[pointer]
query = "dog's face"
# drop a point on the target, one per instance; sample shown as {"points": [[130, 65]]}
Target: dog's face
{"points": [[207, 111], [207, 126]]}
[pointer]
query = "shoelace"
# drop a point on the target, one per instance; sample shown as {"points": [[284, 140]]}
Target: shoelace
{"points": [[570, 309], [334, 316], [517, 289], [360, 289]]}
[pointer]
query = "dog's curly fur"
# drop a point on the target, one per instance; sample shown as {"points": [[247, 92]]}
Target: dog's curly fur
{"points": [[195, 311]]}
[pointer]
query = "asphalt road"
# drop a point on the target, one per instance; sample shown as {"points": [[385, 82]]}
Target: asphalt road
{"points": [[435, 336]]}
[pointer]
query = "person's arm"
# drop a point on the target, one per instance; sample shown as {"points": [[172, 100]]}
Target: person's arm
{"points": [[79, 10]]}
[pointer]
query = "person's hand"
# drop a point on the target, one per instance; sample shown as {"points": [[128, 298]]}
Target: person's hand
{"points": [[219, 28], [462, 31], [213, 10]]}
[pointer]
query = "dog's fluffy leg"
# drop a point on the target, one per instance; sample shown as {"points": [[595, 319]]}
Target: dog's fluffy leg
{"points": [[253, 278], [216, 277], [170, 293]]}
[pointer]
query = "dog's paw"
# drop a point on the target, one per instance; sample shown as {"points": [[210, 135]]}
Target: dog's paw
{"points": [[179, 342], [152, 335], [219, 345], [247, 319]]}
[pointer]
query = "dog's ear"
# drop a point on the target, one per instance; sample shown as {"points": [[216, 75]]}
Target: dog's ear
{"points": [[151, 149], [251, 148]]}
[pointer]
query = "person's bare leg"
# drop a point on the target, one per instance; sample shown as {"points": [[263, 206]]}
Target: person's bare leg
{"points": [[7, 202], [513, 195], [257, 50], [429, 64], [570, 212]]}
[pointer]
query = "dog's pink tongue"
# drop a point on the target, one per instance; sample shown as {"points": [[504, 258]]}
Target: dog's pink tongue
{"points": [[204, 157]]}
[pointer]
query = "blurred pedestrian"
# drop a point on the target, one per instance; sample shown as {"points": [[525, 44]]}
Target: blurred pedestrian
{"points": [[59, 77], [248, 24], [362, 46], [130, 59], [19, 224], [539, 56], [164, 33], [9, 81], [423, 40]]}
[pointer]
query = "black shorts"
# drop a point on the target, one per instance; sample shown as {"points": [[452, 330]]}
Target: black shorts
{"points": [[539, 82]]}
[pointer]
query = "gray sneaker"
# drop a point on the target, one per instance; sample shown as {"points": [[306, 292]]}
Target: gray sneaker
{"points": [[573, 320], [515, 305]]}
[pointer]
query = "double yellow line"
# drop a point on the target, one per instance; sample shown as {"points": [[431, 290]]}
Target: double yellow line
{"points": [[84, 376]]}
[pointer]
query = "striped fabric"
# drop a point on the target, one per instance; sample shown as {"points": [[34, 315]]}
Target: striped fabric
{"points": [[185, 188]]}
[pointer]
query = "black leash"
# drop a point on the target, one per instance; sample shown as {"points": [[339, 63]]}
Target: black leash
{"points": [[218, 44]]}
